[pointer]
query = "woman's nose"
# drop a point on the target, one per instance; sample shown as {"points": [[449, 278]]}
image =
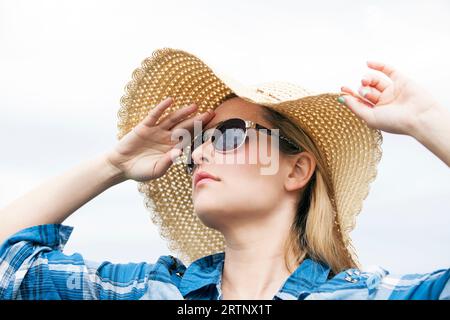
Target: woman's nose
{"points": [[204, 152]]}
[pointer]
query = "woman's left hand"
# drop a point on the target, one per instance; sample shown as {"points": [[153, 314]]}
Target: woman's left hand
{"points": [[393, 106], [399, 105]]}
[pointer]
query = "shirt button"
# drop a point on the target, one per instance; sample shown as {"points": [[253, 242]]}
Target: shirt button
{"points": [[350, 279]]}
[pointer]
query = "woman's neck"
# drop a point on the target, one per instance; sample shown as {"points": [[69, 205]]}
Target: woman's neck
{"points": [[254, 268]]}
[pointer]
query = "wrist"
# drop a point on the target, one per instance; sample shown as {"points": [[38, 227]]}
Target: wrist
{"points": [[432, 130], [113, 174], [429, 121]]}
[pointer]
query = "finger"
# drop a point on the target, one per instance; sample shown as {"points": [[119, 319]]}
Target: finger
{"points": [[371, 94], [348, 90], [357, 107], [173, 118], [164, 163], [188, 124], [154, 114], [375, 81], [357, 96], [388, 70], [186, 128]]}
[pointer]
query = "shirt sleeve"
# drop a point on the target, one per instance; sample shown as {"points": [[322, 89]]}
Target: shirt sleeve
{"points": [[33, 266], [433, 285]]}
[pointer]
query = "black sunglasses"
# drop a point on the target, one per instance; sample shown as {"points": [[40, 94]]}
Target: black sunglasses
{"points": [[229, 135]]}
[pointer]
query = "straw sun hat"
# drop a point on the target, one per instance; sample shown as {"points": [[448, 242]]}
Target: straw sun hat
{"points": [[350, 148]]}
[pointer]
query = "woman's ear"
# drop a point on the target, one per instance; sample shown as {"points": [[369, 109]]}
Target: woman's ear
{"points": [[300, 168]]}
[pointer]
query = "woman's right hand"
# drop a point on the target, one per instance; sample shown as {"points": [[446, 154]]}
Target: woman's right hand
{"points": [[147, 151]]}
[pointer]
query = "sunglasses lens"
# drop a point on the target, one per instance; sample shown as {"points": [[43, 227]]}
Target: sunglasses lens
{"points": [[227, 136], [232, 134]]}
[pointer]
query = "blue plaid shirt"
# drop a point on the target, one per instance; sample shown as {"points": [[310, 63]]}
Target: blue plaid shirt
{"points": [[33, 266]]}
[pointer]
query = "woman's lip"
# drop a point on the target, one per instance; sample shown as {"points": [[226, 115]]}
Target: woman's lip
{"points": [[203, 181]]}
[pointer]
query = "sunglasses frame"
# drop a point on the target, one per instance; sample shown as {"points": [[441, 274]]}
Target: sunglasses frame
{"points": [[248, 125]]}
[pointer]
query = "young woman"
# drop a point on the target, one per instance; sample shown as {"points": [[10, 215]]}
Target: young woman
{"points": [[279, 230]]}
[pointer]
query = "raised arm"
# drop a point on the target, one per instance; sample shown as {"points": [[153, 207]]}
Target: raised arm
{"points": [[399, 105], [145, 153], [58, 197]]}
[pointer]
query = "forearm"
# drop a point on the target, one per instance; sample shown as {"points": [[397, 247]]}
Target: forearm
{"points": [[432, 129], [58, 197]]}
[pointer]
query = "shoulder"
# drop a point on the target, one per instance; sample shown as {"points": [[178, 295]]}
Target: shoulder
{"points": [[375, 282], [169, 267], [351, 283], [433, 285], [34, 266]]}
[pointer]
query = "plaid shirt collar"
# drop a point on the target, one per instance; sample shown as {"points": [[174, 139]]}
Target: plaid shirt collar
{"points": [[207, 271]]}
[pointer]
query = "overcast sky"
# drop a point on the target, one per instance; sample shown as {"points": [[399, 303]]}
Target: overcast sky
{"points": [[64, 65]]}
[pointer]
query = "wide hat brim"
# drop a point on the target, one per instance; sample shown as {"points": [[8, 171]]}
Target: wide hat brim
{"points": [[351, 149]]}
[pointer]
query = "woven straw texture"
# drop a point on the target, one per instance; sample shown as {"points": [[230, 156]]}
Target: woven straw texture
{"points": [[351, 149]]}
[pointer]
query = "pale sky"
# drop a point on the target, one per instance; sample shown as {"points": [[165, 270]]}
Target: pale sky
{"points": [[64, 65]]}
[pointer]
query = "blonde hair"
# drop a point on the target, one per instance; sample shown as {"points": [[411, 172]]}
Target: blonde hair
{"points": [[314, 233]]}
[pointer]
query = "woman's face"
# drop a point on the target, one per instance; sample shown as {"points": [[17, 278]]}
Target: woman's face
{"points": [[243, 193]]}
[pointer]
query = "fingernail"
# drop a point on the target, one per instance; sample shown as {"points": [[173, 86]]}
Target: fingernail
{"points": [[341, 100], [364, 91]]}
